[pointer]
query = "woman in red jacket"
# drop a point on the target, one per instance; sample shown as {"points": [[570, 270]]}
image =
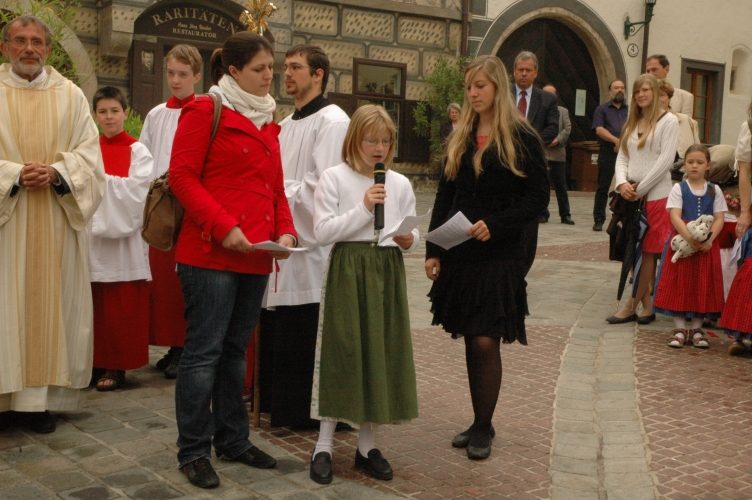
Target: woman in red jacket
{"points": [[232, 189]]}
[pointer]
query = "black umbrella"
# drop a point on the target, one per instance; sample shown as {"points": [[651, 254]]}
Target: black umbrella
{"points": [[626, 230]]}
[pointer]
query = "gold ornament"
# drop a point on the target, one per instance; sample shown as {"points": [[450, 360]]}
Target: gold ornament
{"points": [[254, 17]]}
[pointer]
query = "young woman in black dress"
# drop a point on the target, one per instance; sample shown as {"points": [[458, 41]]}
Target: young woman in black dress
{"points": [[495, 174]]}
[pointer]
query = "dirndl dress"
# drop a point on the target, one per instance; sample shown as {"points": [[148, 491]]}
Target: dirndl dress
{"points": [[691, 286], [737, 314], [364, 369]]}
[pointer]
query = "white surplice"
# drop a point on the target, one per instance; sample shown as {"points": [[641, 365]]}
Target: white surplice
{"points": [[117, 251]]}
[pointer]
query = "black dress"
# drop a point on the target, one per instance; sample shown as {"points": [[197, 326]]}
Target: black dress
{"points": [[481, 288]]}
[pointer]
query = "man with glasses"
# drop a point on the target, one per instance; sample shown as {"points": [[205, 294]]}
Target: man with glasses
{"points": [[51, 182], [310, 142]]}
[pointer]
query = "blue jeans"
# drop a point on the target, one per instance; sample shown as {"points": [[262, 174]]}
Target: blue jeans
{"points": [[221, 310]]}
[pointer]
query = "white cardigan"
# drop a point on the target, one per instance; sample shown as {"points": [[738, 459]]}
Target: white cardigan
{"points": [[341, 215], [650, 166]]}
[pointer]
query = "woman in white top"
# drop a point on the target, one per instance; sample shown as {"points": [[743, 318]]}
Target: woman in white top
{"points": [[647, 151]]}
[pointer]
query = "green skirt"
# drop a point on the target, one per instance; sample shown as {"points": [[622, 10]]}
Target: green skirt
{"points": [[364, 354]]}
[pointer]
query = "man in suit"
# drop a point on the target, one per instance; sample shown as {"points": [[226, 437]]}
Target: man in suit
{"points": [[540, 109], [537, 106], [682, 101], [556, 155]]}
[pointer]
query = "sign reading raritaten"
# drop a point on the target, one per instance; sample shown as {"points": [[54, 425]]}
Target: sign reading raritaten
{"points": [[188, 22]]}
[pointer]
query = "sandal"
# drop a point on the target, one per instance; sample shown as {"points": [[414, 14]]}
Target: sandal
{"points": [[678, 338], [111, 380], [698, 339]]}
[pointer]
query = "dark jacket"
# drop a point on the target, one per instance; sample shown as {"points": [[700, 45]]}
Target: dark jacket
{"points": [[507, 203], [542, 113]]}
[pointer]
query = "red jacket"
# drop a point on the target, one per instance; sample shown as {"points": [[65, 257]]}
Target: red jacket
{"points": [[238, 183]]}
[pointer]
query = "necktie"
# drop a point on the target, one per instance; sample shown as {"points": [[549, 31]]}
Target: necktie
{"points": [[522, 104]]}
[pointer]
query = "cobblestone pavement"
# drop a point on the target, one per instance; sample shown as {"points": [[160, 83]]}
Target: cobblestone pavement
{"points": [[587, 410]]}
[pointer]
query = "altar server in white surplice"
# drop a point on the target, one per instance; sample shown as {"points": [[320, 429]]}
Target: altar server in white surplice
{"points": [[310, 142], [118, 255], [51, 182]]}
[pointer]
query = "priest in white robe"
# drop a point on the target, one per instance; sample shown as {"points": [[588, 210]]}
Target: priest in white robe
{"points": [[51, 182]]}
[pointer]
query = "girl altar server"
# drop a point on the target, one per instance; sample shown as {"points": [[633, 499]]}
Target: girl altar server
{"points": [[364, 364]]}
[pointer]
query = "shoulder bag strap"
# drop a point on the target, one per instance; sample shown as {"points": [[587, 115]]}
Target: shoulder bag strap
{"points": [[217, 100]]}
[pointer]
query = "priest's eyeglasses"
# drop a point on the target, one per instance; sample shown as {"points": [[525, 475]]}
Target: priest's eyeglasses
{"points": [[21, 43]]}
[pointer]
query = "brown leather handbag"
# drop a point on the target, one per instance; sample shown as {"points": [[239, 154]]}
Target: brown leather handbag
{"points": [[163, 213]]}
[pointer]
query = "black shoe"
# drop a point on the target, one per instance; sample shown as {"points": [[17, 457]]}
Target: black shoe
{"points": [[41, 422], [615, 320], [375, 465], [255, 458], [463, 438], [321, 468], [7, 419], [171, 371], [542, 219], [567, 220], [201, 473], [645, 320], [163, 363], [479, 446], [343, 427], [598, 226]]}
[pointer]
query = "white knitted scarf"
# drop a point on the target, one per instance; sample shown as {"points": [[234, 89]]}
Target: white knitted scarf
{"points": [[260, 110]]}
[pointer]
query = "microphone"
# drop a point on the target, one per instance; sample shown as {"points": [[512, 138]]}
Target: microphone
{"points": [[379, 177]]}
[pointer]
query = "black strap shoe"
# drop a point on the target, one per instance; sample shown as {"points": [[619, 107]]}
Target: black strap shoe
{"points": [[567, 220], [201, 473], [598, 226], [321, 468], [479, 446], [255, 458], [375, 465]]}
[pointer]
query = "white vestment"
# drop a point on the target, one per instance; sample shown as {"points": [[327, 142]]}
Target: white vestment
{"points": [[157, 135], [45, 295], [117, 251], [308, 146]]}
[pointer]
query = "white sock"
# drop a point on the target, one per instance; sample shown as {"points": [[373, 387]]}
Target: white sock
{"points": [[326, 437], [696, 323], [366, 438], [680, 322]]}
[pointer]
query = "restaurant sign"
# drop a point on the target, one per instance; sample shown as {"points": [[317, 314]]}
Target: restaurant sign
{"points": [[188, 21]]}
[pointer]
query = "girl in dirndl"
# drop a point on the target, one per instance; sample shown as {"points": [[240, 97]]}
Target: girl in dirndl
{"points": [[364, 371], [692, 287], [737, 315]]}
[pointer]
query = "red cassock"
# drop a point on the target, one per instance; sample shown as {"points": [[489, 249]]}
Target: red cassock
{"points": [[121, 309], [167, 323]]}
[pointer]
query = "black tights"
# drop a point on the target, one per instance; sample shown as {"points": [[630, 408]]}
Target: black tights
{"points": [[483, 360]]}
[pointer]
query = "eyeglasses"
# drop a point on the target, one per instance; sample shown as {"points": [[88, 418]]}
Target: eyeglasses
{"points": [[21, 43], [376, 142], [294, 67]]}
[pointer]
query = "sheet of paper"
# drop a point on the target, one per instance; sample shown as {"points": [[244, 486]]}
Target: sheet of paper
{"points": [[276, 247], [451, 233], [408, 224]]}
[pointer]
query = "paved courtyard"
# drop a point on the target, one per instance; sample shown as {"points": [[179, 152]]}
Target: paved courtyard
{"points": [[587, 410]]}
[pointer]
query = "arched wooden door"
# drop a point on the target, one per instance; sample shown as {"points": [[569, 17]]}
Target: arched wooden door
{"points": [[564, 61]]}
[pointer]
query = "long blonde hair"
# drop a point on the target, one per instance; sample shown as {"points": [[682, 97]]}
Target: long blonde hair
{"points": [[651, 114], [504, 129]]}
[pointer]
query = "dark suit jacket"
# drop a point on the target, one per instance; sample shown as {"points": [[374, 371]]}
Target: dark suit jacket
{"points": [[542, 113]]}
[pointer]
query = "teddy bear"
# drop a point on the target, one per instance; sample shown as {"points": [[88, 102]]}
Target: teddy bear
{"points": [[700, 231]]}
